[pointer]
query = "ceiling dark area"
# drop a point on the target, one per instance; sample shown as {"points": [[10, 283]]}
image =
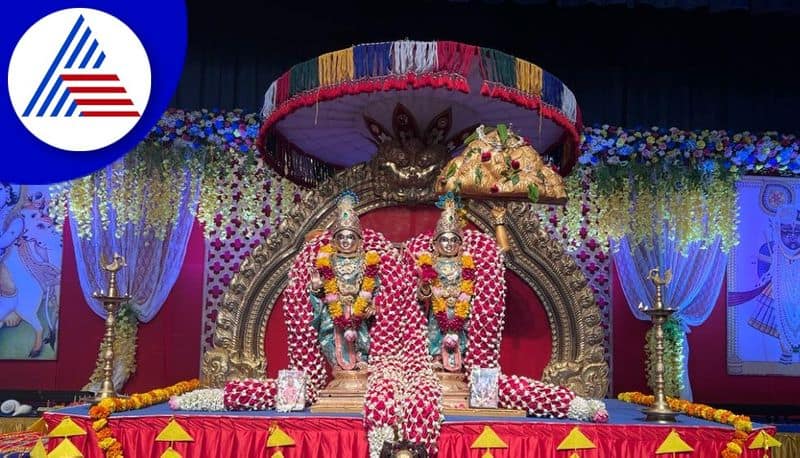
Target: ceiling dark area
{"points": [[627, 66]]}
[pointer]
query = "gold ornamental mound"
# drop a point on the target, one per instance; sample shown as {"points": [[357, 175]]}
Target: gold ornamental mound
{"points": [[499, 164]]}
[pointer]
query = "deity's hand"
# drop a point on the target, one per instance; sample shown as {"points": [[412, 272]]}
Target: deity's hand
{"points": [[369, 311], [423, 289], [315, 284]]}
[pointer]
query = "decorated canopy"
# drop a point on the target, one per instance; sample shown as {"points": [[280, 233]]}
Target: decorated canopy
{"points": [[333, 110]]}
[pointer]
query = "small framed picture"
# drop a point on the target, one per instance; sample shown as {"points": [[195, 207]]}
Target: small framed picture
{"points": [[291, 391], [483, 388]]}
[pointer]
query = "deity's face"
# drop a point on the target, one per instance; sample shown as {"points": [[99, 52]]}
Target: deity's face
{"points": [[448, 244], [790, 236], [346, 241]]}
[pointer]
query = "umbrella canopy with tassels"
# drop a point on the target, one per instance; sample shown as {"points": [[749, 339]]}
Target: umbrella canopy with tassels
{"points": [[329, 112]]}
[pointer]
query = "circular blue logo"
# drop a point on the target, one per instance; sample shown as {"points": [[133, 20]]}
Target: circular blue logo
{"points": [[85, 83]]}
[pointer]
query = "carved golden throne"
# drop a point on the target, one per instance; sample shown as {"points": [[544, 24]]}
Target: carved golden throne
{"points": [[576, 356]]}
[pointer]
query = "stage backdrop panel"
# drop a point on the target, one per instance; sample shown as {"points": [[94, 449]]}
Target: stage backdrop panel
{"points": [[764, 280], [30, 274]]}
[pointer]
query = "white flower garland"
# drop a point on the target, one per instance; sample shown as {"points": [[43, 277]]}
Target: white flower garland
{"points": [[207, 399]]}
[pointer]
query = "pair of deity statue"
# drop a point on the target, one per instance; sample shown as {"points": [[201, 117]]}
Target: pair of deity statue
{"points": [[345, 286], [400, 327]]}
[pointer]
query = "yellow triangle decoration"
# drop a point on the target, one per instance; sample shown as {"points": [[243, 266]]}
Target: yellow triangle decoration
{"points": [[39, 426], [67, 428], [38, 450], [764, 441], [575, 440], [575, 455], [488, 454], [278, 454], [173, 432], [278, 438], [673, 444], [489, 439], [66, 449], [170, 453]]}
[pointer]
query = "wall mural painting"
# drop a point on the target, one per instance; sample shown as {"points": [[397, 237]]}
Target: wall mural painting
{"points": [[30, 274], [763, 286]]}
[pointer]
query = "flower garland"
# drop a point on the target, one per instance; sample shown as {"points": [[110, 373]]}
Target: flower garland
{"points": [[673, 357], [403, 399], [741, 423], [99, 413], [461, 309], [208, 399], [332, 298]]}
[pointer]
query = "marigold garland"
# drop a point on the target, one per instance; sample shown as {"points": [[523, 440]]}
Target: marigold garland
{"points": [[463, 304], [99, 413], [741, 423], [322, 262]]}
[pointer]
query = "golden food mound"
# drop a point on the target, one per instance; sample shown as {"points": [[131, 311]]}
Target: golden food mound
{"points": [[497, 163]]}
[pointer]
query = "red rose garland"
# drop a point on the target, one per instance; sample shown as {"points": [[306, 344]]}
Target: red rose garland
{"points": [[403, 397], [250, 394]]}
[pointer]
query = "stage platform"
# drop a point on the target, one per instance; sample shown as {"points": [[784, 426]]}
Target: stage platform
{"points": [[244, 434]]}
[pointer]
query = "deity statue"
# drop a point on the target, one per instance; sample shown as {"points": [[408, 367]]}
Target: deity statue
{"points": [[461, 289], [446, 286], [343, 288], [339, 284]]}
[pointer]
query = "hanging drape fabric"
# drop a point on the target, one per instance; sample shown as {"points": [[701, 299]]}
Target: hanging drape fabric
{"points": [[697, 278], [153, 262]]}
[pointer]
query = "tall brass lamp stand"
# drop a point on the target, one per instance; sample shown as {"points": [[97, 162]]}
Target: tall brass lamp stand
{"points": [[659, 412], [111, 302]]}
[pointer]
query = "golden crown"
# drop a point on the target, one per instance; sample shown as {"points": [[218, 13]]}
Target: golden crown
{"points": [[347, 219]]}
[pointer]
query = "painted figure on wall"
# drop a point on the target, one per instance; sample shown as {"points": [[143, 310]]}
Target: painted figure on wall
{"points": [[30, 272], [777, 291]]}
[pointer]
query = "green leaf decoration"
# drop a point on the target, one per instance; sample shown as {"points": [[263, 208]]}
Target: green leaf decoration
{"points": [[451, 170], [478, 175], [533, 193], [502, 131], [471, 138], [515, 178], [471, 152]]}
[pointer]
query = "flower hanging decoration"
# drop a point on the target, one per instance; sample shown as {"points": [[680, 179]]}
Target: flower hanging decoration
{"points": [[205, 150], [741, 423], [372, 262], [99, 413], [631, 181]]}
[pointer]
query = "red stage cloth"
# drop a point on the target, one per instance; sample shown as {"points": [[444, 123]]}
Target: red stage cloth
{"points": [[241, 436]]}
